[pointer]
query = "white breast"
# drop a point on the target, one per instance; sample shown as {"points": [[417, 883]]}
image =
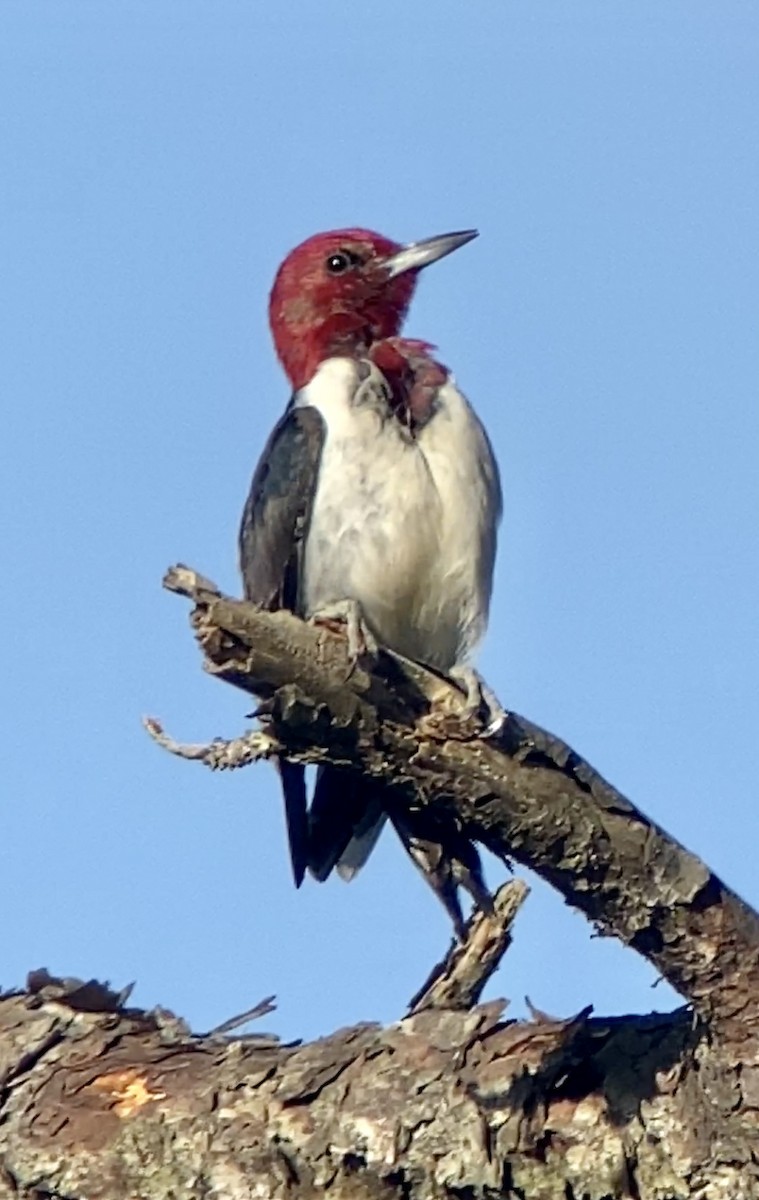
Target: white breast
{"points": [[403, 524]]}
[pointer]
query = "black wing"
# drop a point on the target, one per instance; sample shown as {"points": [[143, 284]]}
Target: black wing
{"points": [[278, 509], [272, 532]]}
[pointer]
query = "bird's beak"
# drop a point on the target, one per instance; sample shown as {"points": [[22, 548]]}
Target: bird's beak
{"points": [[420, 254]]}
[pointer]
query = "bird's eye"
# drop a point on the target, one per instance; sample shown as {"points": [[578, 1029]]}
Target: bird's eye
{"points": [[340, 261]]}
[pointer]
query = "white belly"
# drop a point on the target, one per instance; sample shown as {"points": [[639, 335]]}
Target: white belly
{"points": [[403, 525]]}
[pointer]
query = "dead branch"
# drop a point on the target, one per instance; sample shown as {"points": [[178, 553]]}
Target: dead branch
{"points": [[458, 981], [524, 794]]}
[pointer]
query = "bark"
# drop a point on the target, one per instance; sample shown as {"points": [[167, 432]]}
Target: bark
{"points": [[454, 1100]]}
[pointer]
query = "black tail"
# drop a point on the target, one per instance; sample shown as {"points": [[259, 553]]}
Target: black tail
{"points": [[345, 821], [346, 817], [447, 859], [293, 777]]}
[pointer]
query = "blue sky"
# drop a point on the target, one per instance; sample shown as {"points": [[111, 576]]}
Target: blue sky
{"points": [[158, 160]]}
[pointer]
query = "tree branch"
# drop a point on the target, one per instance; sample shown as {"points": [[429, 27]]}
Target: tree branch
{"points": [[524, 794], [104, 1102], [459, 980]]}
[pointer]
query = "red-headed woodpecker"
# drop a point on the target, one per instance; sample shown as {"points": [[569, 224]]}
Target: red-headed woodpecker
{"points": [[376, 499]]}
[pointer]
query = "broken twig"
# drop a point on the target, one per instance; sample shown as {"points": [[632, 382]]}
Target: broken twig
{"points": [[458, 980]]}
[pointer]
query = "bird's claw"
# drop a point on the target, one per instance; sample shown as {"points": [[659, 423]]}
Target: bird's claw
{"points": [[361, 641], [480, 698]]}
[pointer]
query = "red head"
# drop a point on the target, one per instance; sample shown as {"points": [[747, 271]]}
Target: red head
{"points": [[340, 292]]}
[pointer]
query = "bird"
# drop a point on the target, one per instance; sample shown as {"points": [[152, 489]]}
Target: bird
{"points": [[376, 501]]}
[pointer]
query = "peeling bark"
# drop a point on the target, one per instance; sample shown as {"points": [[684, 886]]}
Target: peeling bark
{"points": [[104, 1102]]}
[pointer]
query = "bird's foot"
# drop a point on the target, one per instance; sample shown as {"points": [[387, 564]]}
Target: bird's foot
{"points": [[481, 700], [361, 640]]}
